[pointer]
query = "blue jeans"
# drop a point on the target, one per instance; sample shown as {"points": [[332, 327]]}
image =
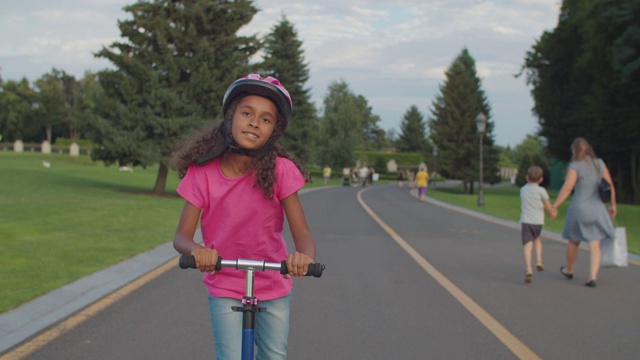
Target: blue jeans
{"points": [[271, 328]]}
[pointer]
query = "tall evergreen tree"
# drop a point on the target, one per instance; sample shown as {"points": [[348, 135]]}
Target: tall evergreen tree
{"points": [[413, 136], [284, 60], [170, 79], [453, 128]]}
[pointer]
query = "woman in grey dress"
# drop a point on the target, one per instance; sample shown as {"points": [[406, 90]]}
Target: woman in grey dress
{"points": [[587, 218]]}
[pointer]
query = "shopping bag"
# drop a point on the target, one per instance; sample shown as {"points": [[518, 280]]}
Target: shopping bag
{"points": [[614, 251]]}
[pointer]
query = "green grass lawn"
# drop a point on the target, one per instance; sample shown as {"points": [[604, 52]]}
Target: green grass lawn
{"points": [[61, 223], [504, 203]]}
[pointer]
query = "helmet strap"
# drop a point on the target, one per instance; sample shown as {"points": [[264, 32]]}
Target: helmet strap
{"points": [[230, 144]]}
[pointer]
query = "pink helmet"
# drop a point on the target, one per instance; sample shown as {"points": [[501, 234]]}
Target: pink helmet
{"points": [[252, 84], [269, 87]]}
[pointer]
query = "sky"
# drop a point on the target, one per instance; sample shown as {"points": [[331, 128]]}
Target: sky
{"points": [[394, 53]]}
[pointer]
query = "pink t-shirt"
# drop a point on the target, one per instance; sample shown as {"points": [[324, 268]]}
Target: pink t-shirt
{"points": [[239, 222]]}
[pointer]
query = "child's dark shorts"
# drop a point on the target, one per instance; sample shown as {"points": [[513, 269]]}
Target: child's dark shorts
{"points": [[530, 232]]}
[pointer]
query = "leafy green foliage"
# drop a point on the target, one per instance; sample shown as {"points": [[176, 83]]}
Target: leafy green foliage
{"points": [[17, 112], [528, 153], [585, 78], [348, 125]]}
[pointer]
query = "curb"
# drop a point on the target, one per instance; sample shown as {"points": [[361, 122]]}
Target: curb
{"points": [[32, 317]]}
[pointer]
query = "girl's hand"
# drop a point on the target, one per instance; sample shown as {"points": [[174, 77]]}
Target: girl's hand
{"points": [[298, 264], [613, 211], [206, 259]]}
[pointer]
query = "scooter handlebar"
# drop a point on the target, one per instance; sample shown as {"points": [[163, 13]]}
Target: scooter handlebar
{"points": [[189, 262]]}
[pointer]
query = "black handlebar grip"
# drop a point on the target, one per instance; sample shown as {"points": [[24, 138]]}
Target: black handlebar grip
{"points": [[314, 270], [189, 262]]}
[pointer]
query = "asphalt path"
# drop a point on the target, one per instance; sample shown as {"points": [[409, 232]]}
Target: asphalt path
{"points": [[404, 280]]}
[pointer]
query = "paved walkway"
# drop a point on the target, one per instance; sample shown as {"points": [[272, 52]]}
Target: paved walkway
{"points": [[31, 318]]}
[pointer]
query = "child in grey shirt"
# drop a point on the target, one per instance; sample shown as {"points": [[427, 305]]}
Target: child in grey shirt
{"points": [[533, 201]]}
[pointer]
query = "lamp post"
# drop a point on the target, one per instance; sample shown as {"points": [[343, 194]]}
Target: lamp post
{"points": [[481, 123], [435, 156]]}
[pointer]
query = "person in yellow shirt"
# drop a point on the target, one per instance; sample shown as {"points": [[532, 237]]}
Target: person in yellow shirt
{"points": [[326, 174], [422, 179]]}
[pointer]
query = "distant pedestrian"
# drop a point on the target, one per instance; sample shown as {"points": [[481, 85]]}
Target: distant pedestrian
{"points": [[370, 175], [411, 177], [346, 176], [326, 174], [587, 219], [401, 178], [422, 179], [534, 200], [362, 174]]}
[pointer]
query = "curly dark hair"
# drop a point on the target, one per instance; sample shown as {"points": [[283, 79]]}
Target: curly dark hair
{"points": [[211, 137]]}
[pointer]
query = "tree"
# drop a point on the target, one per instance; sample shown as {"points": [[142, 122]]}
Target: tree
{"points": [[341, 131], [51, 106], [64, 104], [88, 93], [284, 60], [171, 76], [372, 136], [413, 136], [585, 78], [17, 116], [338, 127], [347, 125], [453, 128], [528, 153], [506, 156]]}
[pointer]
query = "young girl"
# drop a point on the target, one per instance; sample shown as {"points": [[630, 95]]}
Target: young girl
{"points": [[239, 184]]}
